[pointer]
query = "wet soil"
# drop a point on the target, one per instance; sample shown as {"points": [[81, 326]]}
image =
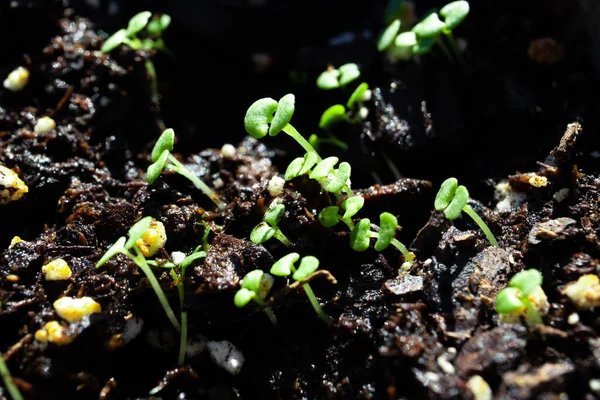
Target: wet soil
{"points": [[424, 331]]}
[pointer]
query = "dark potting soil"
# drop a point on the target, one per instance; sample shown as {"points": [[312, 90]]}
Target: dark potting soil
{"points": [[424, 331]]}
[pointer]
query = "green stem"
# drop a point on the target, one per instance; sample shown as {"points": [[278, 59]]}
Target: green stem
{"points": [[409, 256], [391, 166], [267, 311], [290, 130], [334, 141], [181, 169], [348, 222], [488, 234], [183, 339], [445, 49], [533, 316], [315, 303], [13, 390], [455, 48], [282, 238], [140, 261], [154, 82]]}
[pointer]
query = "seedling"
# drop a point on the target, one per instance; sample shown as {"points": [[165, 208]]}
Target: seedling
{"points": [[388, 224], [333, 78], [452, 199], [256, 286], [163, 159], [269, 227], [515, 299], [308, 265], [454, 14], [12, 389], [388, 36], [152, 39], [129, 248]]}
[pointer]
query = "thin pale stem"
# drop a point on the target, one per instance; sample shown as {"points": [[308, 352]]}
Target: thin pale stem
{"points": [[445, 49], [203, 187], [282, 238], [533, 316], [391, 166], [455, 48], [140, 261], [267, 311], [334, 141], [290, 130], [154, 82], [348, 222], [409, 256], [315, 303], [13, 390], [488, 233], [183, 339]]}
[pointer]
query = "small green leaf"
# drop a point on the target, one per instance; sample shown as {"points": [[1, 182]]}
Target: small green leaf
{"points": [[423, 46], [526, 281], [328, 79], [387, 230], [165, 141], [285, 265], [252, 280], [158, 25], [352, 205], [359, 237], [156, 168], [314, 140], [261, 233], [461, 197], [147, 44], [308, 265], [388, 35], [137, 231], [358, 95], [283, 114], [258, 117], [274, 214], [507, 301], [301, 165], [332, 116], [329, 216], [454, 14], [348, 73], [445, 194], [243, 297], [114, 41], [324, 168], [138, 22], [406, 39], [112, 251], [191, 258], [430, 27], [335, 182]]}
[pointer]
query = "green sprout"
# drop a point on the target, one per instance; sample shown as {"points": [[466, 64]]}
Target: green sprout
{"points": [[163, 159], [308, 265], [11, 387], [152, 39], [452, 199], [129, 247], [333, 78], [269, 227], [515, 299], [388, 224], [255, 286], [388, 36], [177, 269]]}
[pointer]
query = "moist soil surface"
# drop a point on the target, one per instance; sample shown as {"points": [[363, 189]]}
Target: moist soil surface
{"points": [[516, 123]]}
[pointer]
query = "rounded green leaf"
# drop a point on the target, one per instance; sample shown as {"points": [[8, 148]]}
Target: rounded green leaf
{"points": [[285, 265], [138, 22], [165, 141], [114, 41], [423, 46], [283, 114], [335, 182], [308, 265], [445, 194], [406, 39], [348, 73], [526, 281], [359, 237], [332, 116], [191, 258], [430, 27], [301, 165], [258, 117], [388, 35], [243, 297], [156, 168], [358, 95], [137, 231], [387, 230], [158, 25], [112, 251], [252, 280], [261, 233], [507, 301], [324, 168], [274, 214], [461, 197], [328, 79], [352, 205], [454, 13], [329, 216]]}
